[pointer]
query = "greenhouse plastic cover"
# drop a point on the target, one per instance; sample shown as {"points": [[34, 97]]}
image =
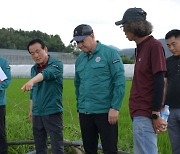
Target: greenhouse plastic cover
{"points": [[23, 71]]}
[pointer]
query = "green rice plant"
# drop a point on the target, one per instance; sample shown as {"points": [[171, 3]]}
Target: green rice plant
{"points": [[164, 145], [18, 125], [20, 128], [71, 121], [125, 141]]}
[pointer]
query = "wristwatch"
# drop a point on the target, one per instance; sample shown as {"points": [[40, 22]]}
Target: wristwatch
{"points": [[154, 116]]}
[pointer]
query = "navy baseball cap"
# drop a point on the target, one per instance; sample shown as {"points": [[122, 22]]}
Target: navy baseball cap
{"points": [[81, 31], [132, 14]]}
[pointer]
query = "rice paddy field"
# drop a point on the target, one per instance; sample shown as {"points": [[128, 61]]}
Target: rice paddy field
{"points": [[19, 127]]}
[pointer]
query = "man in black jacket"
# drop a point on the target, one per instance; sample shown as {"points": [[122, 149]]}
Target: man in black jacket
{"points": [[172, 87]]}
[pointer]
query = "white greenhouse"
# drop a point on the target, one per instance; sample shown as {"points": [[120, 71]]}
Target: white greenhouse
{"points": [[23, 71]]}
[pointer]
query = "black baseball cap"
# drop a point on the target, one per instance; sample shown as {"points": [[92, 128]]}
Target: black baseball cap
{"points": [[132, 14], [81, 31]]}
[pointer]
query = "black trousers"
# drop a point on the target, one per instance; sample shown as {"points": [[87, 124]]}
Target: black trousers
{"points": [[48, 125], [3, 141], [95, 125]]}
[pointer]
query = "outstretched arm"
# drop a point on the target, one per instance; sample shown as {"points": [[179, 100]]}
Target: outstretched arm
{"points": [[28, 86]]}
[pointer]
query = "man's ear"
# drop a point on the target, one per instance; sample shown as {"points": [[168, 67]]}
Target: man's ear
{"points": [[92, 35], [46, 49]]}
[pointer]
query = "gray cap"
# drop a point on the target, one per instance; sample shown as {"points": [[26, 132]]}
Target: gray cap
{"points": [[132, 14], [81, 31]]}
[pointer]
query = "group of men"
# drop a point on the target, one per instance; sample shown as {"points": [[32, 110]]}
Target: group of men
{"points": [[100, 86]]}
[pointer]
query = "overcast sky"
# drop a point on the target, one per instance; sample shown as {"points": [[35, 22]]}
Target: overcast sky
{"points": [[62, 16]]}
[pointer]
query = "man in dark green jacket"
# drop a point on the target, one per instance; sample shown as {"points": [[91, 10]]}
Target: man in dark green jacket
{"points": [[5, 78], [100, 84], [46, 107]]}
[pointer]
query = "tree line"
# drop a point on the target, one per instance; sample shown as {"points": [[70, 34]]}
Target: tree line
{"points": [[19, 39]]}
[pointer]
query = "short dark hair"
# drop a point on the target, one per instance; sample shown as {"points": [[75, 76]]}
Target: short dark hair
{"points": [[139, 28], [174, 32], [36, 41]]}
